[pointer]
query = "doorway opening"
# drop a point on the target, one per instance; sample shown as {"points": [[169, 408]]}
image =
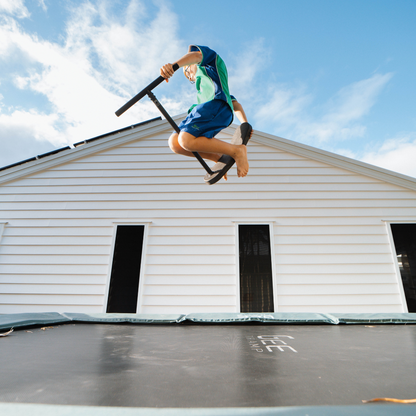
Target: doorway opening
{"points": [[125, 271], [256, 276], [404, 236]]}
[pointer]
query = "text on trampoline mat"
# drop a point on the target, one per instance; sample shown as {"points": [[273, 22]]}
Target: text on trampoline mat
{"points": [[270, 343]]}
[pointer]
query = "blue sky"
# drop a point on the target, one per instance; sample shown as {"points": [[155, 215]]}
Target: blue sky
{"points": [[337, 75]]}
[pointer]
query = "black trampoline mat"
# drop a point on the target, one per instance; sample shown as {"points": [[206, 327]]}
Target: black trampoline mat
{"points": [[207, 365]]}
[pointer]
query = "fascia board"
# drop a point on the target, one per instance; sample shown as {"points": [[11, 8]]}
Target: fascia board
{"points": [[329, 158], [86, 149], [333, 159]]}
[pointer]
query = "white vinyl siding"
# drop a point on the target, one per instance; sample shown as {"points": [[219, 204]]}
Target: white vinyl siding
{"points": [[332, 251], [2, 225]]}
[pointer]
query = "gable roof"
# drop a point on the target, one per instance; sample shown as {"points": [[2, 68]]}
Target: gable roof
{"points": [[157, 125], [82, 149], [336, 160], [53, 152]]}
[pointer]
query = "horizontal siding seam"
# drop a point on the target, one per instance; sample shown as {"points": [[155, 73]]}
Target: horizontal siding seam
{"points": [[224, 201]]}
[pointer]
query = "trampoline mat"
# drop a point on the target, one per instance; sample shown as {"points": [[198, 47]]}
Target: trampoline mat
{"points": [[240, 365]]}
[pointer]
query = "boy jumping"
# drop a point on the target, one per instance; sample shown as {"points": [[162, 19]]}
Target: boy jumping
{"points": [[213, 113]]}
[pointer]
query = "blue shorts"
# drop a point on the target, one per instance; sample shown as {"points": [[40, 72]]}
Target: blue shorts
{"points": [[207, 119]]}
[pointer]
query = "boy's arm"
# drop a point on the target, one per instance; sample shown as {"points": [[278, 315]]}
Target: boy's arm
{"points": [[239, 111], [189, 59]]}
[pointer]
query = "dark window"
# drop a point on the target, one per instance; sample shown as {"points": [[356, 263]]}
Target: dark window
{"points": [[256, 283], [404, 236], [125, 271]]}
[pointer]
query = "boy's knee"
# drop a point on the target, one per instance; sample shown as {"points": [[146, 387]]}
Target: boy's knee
{"points": [[186, 141], [173, 143]]}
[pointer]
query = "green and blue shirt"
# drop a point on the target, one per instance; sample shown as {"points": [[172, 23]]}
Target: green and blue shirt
{"points": [[211, 79]]}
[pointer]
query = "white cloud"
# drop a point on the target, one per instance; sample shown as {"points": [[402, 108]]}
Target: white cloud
{"points": [[42, 5], [128, 50], [25, 134], [398, 154], [285, 106], [244, 69], [102, 62], [15, 8], [30, 124], [293, 115], [349, 105]]}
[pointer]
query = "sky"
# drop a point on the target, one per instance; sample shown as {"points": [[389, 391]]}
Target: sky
{"points": [[336, 75]]}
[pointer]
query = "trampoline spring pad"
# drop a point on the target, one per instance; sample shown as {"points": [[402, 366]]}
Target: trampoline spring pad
{"points": [[22, 320]]}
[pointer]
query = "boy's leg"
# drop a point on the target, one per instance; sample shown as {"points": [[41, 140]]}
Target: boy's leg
{"points": [[178, 149], [198, 132], [203, 145]]}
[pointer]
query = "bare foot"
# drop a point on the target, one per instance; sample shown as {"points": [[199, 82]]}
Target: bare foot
{"points": [[240, 157]]}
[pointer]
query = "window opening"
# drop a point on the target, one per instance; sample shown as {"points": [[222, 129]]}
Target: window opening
{"points": [[256, 277], [125, 271], [404, 236]]}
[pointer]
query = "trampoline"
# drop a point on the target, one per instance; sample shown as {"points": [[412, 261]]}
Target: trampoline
{"points": [[295, 364]]}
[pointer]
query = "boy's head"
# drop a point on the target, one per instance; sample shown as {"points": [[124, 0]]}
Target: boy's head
{"points": [[190, 72]]}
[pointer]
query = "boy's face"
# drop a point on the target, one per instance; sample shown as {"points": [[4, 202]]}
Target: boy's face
{"points": [[190, 72]]}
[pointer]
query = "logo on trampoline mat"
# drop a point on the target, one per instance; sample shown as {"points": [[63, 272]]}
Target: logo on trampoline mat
{"points": [[270, 343]]}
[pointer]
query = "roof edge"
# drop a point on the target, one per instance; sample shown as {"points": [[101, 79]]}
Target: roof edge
{"points": [[55, 151], [337, 160], [82, 149], [101, 136]]}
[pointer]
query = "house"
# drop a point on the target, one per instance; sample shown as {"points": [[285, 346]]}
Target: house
{"points": [[121, 224]]}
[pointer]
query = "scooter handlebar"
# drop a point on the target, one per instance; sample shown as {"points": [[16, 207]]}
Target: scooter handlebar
{"points": [[142, 93]]}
